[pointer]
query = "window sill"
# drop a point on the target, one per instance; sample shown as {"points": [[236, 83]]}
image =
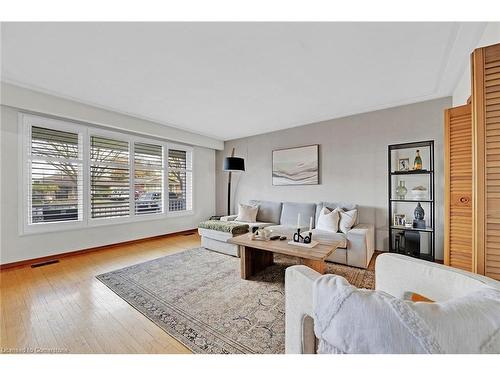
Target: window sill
{"points": [[95, 223], [180, 213]]}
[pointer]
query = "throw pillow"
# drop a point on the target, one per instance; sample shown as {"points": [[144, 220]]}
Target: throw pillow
{"points": [[415, 297], [347, 220], [386, 324], [247, 213], [328, 220]]}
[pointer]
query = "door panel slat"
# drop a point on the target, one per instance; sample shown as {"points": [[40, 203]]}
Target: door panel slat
{"points": [[458, 187]]}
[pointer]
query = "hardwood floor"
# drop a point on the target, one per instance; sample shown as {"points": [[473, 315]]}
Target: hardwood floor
{"points": [[62, 307]]}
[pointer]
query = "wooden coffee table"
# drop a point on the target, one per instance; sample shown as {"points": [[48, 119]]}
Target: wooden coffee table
{"points": [[256, 255]]}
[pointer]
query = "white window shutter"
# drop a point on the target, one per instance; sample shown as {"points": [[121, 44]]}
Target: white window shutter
{"points": [[148, 178], [55, 165], [109, 178], [179, 180]]}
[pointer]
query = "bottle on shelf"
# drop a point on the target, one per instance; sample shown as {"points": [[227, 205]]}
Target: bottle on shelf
{"points": [[417, 164]]}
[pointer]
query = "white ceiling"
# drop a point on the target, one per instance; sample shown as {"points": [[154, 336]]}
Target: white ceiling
{"points": [[229, 80]]}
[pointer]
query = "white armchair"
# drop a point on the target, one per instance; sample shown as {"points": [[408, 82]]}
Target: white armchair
{"points": [[394, 274]]}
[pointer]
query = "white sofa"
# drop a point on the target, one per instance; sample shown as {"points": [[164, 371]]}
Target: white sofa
{"points": [[281, 217], [394, 274]]}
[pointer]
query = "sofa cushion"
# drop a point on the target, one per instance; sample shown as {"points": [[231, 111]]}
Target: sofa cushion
{"points": [[247, 213], [290, 211], [347, 220], [269, 212], [333, 205], [327, 237], [328, 220]]}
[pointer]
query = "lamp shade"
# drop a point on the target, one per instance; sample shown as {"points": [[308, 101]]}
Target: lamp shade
{"points": [[232, 163]]}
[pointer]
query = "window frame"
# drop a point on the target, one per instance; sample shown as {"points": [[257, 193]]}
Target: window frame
{"points": [[85, 131], [27, 122]]}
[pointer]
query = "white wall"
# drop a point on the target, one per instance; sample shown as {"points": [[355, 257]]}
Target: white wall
{"points": [[15, 247], [353, 160], [491, 35]]}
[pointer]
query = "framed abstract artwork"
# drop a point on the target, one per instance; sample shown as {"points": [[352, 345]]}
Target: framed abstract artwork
{"points": [[296, 166]]}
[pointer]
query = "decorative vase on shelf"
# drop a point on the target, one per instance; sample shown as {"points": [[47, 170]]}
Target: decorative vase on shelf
{"points": [[401, 190], [417, 164]]}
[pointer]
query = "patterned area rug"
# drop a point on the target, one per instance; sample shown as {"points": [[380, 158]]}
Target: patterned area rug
{"points": [[198, 297]]}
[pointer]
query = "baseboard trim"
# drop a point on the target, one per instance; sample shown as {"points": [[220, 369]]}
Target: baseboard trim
{"points": [[49, 258]]}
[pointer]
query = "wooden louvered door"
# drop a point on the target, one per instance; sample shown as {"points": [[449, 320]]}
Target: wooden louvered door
{"points": [[486, 185], [458, 246]]}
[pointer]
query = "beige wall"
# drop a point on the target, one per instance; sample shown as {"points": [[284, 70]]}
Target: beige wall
{"points": [[353, 160], [15, 247]]}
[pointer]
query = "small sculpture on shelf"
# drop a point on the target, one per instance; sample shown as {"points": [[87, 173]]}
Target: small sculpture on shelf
{"points": [[419, 213]]}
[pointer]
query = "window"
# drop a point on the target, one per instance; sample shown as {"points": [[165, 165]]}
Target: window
{"points": [[55, 168], [148, 170], [79, 175], [109, 178], [179, 180]]}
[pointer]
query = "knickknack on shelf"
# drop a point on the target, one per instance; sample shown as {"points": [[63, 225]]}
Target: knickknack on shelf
{"points": [[411, 199]]}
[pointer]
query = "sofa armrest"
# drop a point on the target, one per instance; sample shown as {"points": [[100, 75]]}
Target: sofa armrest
{"points": [[360, 245], [397, 274], [299, 330], [228, 218]]}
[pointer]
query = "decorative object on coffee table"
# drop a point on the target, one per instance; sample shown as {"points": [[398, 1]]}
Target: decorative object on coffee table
{"points": [[308, 245], [260, 234], [418, 235], [232, 164], [307, 239], [297, 237], [296, 166]]}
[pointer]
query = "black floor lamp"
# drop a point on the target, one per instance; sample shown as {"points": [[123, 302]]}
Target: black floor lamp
{"points": [[232, 164]]}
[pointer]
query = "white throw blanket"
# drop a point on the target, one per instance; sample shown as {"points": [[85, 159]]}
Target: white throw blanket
{"points": [[352, 320]]}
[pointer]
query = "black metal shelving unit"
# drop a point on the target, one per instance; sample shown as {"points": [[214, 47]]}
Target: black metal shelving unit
{"points": [[403, 233]]}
